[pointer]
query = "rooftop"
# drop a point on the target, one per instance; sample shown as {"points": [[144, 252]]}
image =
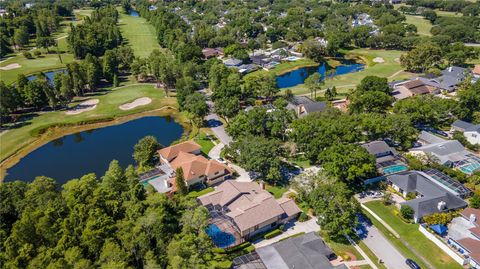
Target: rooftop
{"points": [[171, 152]]}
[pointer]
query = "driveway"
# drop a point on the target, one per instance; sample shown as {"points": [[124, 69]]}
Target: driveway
{"points": [[291, 229], [214, 153], [382, 248], [214, 123]]}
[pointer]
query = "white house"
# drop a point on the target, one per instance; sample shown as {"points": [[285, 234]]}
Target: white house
{"points": [[470, 131]]}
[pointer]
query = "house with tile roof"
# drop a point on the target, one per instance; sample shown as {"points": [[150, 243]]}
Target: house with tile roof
{"points": [[247, 207], [196, 168], [464, 236]]}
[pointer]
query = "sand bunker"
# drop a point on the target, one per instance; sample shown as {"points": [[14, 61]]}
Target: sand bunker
{"points": [[379, 60], [10, 66], [138, 102], [84, 106]]}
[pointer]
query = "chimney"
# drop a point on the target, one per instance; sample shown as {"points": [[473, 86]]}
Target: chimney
{"points": [[262, 185], [473, 218], [441, 205]]}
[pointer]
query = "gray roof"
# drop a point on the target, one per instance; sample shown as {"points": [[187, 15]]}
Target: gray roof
{"points": [[300, 100], [446, 151], [377, 147], [232, 62], [454, 71], [430, 138], [431, 191], [429, 205], [315, 107], [461, 125], [474, 128], [307, 251]]}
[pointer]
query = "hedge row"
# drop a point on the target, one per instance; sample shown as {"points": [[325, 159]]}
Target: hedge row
{"points": [[272, 234], [43, 129]]}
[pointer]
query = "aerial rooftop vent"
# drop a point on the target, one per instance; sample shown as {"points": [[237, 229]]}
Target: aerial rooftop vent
{"points": [[442, 205]]}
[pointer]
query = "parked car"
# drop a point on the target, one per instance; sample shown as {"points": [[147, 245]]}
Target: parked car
{"points": [[412, 264], [221, 160]]}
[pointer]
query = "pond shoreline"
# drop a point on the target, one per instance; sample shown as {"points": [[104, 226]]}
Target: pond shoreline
{"points": [[58, 132]]}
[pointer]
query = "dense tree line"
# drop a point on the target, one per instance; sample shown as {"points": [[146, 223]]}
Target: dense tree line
{"points": [[109, 222], [19, 24], [97, 34], [77, 79]]}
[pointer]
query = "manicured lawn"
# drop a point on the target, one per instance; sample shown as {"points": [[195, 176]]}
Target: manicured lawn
{"points": [[204, 142], [342, 248], [29, 66], [390, 68], [301, 161], [284, 67], [195, 194], [276, 191], [17, 138], [139, 33], [410, 234], [423, 25]]}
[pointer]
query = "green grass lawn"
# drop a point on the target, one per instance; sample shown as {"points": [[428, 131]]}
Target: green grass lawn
{"points": [[204, 142], [423, 25], [284, 67], [390, 68], [342, 248], [300, 161], [23, 137], [410, 234], [139, 33], [29, 66], [276, 191]]}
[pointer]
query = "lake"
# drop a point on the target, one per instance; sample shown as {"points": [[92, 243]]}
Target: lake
{"points": [[298, 76], [50, 75], [92, 151]]}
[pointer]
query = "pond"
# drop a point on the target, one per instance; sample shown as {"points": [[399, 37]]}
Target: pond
{"points": [[298, 76], [133, 13], [91, 151], [50, 75]]}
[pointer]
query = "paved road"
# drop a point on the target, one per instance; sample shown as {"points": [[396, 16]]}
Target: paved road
{"points": [[382, 248], [215, 154]]}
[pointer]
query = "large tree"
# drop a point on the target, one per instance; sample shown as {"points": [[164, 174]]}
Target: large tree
{"points": [[145, 151]]}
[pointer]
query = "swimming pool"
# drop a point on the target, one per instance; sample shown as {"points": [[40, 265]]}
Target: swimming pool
{"points": [[469, 168], [394, 169], [220, 238]]}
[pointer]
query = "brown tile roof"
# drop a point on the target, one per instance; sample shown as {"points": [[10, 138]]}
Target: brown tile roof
{"points": [[249, 205], [470, 244], [475, 231], [476, 70], [475, 256], [194, 166], [416, 87], [469, 211], [171, 152]]}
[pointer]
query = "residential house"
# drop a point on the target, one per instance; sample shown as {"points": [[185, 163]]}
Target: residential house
{"points": [[450, 153], [414, 87], [469, 130], [387, 159], [196, 168], [303, 105], [464, 236], [232, 62], [212, 52], [247, 207], [307, 251], [476, 71], [435, 192]]}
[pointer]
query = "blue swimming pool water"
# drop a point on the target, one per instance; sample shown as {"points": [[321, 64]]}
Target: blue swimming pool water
{"points": [[133, 13], [298, 76], [220, 238], [395, 169]]}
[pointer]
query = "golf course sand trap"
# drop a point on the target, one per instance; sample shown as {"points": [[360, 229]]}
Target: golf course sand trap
{"points": [[10, 66], [378, 60], [84, 106], [137, 102]]}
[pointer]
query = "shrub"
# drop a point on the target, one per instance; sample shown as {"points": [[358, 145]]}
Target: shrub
{"points": [[27, 55], [219, 250], [37, 53], [250, 249], [291, 236], [407, 212], [411, 196], [475, 201], [281, 227], [440, 218], [387, 198], [272, 234], [303, 217]]}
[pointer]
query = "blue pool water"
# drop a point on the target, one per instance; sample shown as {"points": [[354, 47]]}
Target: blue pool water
{"points": [[91, 151], [133, 13], [220, 239], [394, 169], [298, 76]]}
